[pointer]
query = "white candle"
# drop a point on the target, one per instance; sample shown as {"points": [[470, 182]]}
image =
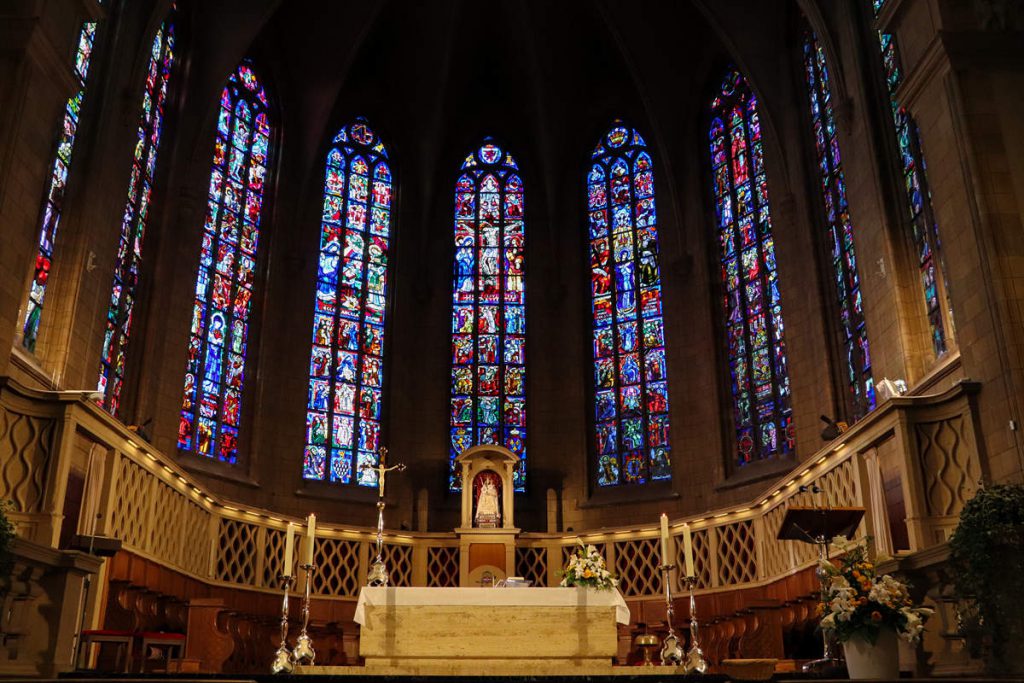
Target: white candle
{"points": [[310, 539], [688, 550], [289, 549], [665, 559]]}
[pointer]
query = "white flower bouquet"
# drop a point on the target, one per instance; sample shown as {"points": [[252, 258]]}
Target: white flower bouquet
{"points": [[858, 603], [586, 568]]}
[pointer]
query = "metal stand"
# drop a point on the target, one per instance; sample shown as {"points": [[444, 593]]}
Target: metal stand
{"points": [[671, 650], [827, 658], [378, 574], [282, 663], [695, 662], [304, 644]]}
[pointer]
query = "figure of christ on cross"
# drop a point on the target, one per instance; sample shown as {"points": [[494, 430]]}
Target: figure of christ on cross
{"points": [[378, 575], [382, 469]]}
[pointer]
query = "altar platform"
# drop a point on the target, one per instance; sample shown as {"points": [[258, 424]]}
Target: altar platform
{"points": [[518, 631]]}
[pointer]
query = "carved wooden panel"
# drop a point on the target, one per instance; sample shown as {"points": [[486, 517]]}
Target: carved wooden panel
{"points": [[949, 466], [26, 445]]}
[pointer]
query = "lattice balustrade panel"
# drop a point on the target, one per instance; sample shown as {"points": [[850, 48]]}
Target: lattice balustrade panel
{"points": [[398, 559], [195, 530], [701, 560], [443, 567], [129, 517], [838, 489], [532, 564], [237, 548], [636, 565], [737, 561], [178, 532], [337, 562], [840, 485]]}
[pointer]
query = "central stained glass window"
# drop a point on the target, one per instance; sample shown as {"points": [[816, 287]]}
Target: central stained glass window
{"points": [[214, 380], [346, 367], [488, 399], [631, 436], [750, 294]]}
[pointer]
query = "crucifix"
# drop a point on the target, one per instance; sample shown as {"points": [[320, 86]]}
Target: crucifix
{"points": [[378, 574]]}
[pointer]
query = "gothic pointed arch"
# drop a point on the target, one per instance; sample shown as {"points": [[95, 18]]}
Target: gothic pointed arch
{"points": [[215, 374], [848, 304], [631, 421], [751, 304], [346, 367], [128, 262], [488, 382]]}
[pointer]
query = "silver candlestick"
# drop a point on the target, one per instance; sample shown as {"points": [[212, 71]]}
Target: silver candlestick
{"points": [[671, 650], [282, 663], [695, 661], [304, 644]]}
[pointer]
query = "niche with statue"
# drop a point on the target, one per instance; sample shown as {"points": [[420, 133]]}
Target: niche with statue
{"points": [[487, 533]]}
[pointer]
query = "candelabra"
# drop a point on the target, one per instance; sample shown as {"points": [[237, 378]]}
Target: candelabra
{"points": [[828, 659], [671, 650], [304, 644], [282, 663], [695, 661]]}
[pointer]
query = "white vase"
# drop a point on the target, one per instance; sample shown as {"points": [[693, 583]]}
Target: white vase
{"points": [[881, 660]]}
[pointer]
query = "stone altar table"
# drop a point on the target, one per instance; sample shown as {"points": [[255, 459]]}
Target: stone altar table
{"points": [[512, 630]]}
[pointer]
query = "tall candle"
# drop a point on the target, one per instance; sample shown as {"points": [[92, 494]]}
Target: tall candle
{"points": [[310, 539], [688, 550], [665, 559], [289, 549]]}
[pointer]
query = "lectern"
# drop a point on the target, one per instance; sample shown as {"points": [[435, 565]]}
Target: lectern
{"points": [[819, 526]]}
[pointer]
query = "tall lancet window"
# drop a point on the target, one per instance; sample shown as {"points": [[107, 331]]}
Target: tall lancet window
{"points": [[133, 223], [860, 395], [921, 217], [53, 202], [215, 376], [488, 399], [630, 379], [750, 284], [346, 374]]}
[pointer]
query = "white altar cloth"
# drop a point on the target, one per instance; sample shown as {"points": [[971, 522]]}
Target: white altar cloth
{"points": [[491, 597]]}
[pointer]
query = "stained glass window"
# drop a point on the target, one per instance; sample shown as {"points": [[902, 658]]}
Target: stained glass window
{"points": [[53, 204], [133, 224], [631, 424], [488, 399], [860, 395], [343, 418], [923, 226], [215, 375], [750, 284]]}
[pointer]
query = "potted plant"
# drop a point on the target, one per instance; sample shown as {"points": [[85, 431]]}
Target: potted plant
{"points": [[986, 557], [866, 613], [587, 569]]}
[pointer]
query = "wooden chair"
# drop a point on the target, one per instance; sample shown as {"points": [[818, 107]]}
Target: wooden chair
{"points": [[123, 639], [170, 645]]}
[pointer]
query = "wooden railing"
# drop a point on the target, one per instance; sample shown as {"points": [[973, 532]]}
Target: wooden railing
{"points": [[917, 454]]}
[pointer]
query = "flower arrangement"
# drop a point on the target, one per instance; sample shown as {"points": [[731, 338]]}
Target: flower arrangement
{"points": [[586, 568], [858, 603]]}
